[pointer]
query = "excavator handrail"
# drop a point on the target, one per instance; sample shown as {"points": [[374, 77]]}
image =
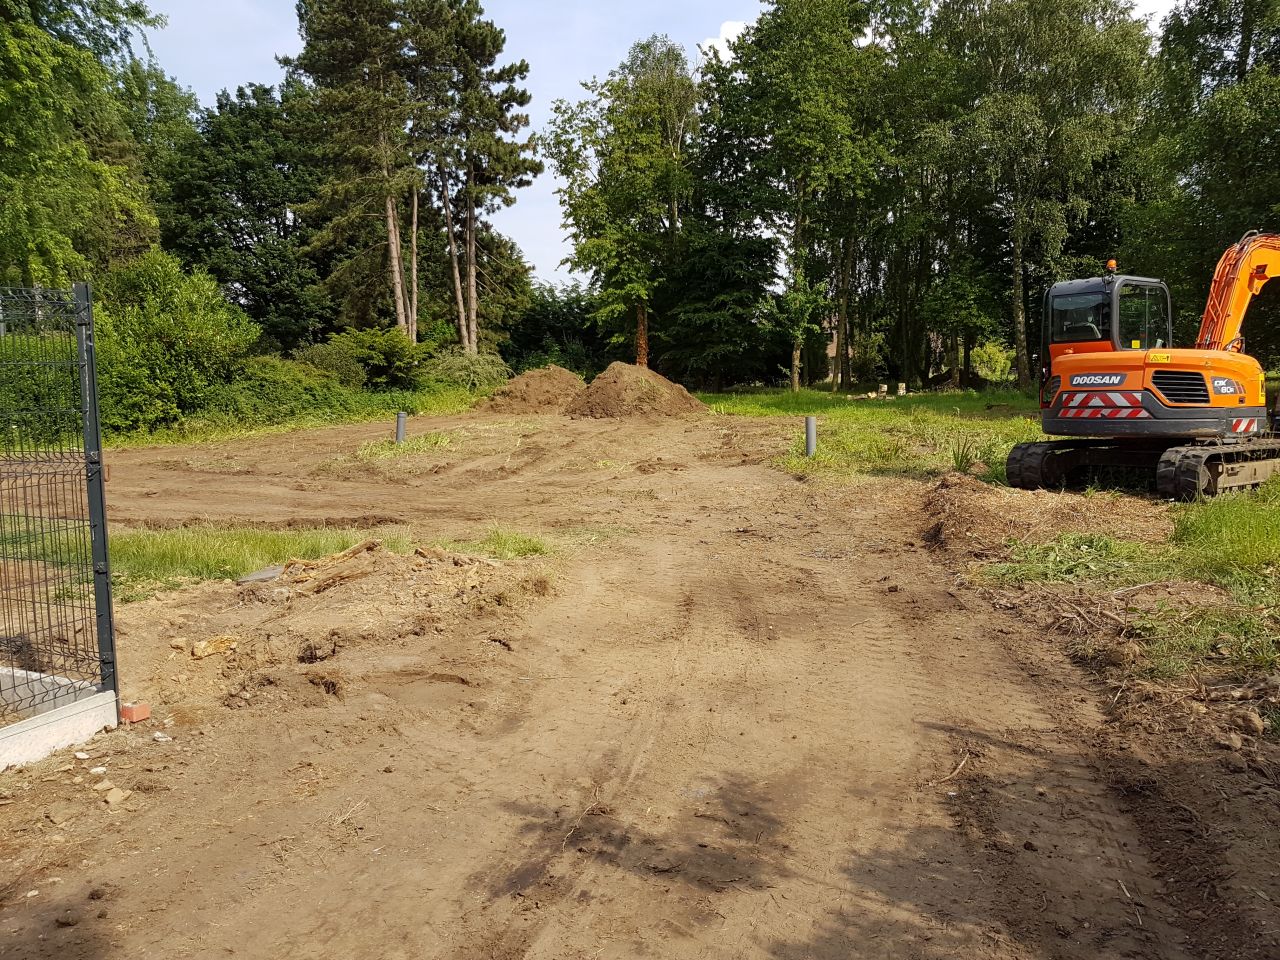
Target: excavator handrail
{"points": [[1242, 272]]}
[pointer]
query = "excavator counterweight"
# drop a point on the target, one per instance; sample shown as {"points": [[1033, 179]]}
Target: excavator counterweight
{"points": [[1123, 396]]}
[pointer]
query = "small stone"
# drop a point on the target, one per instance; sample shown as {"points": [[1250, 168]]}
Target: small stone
{"points": [[81, 755], [213, 646], [160, 737], [104, 785], [177, 643], [115, 795], [1029, 845], [1249, 722], [98, 771], [32, 893], [1230, 741], [386, 769], [60, 812], [77, 780], [1195, 914], [67, 919], [1196, 709], [1235, 763], [1041, 792]]}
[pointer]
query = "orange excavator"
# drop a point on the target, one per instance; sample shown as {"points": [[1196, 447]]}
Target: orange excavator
{"points": [[1123, 397]]}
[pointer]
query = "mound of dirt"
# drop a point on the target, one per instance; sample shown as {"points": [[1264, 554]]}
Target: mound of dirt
{"points": [[625, 390], [278, 638], [969, 516], [546, 390]]}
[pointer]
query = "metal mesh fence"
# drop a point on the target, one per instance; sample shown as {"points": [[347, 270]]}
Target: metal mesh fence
{"points": [[56, 641]]}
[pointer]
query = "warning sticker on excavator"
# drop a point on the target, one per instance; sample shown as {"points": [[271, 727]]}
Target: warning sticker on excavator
{"points": [[1159, 358]]}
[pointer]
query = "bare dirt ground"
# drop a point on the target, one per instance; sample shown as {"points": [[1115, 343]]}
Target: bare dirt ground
{"points": [[739, 716]]}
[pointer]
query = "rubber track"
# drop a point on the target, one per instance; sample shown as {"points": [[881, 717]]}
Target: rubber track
{"points": [[1191, 477]]}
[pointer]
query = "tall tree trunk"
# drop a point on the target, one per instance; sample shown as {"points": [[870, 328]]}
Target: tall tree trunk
{"points": [[413, 270], [954, 350], [395, 263], [966, 379], [642, 335], [796, 348], [473, 310], [1020, 309], [1245, 50], [446, 200]]}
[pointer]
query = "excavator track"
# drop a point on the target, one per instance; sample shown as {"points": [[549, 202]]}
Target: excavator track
{"points": [[1054, 464], [1206, 470]]}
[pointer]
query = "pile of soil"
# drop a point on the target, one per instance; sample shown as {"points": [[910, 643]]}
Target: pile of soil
{"points": [[968, 516], [625, 390], [546, 390]]}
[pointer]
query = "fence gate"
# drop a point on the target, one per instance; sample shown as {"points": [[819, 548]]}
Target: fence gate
{"points": [[57, 649]]}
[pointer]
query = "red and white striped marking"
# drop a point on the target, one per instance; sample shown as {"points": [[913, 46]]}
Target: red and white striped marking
{"points": [[1104, 404], [1244, 425]]}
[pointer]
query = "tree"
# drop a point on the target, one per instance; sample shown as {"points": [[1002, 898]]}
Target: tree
{"points": [[353, 55], [1049, 91], [234, 206], [624, 155], [805, 75], [491, 162], [73, 194]]}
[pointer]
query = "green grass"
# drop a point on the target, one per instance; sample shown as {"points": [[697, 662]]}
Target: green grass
{"points": [[921, 435], [436, 401], [1231, 542], [378, 450], [146, 560], [500, 543]]}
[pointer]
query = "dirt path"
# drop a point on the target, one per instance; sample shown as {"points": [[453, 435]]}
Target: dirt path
{"points": [[751, 720]]}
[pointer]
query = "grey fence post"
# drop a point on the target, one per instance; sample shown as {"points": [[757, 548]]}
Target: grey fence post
{"points": [[810, 436], [402, 420], [95, 478]]}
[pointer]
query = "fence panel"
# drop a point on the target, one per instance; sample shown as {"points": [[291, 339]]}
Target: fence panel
{"points": [[56, 632]]}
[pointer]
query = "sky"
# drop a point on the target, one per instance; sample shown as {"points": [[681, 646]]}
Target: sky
{"points": [[213, 46]]}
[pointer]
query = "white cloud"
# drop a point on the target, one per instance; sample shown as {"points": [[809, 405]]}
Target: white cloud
{"points": [[730, 31]]}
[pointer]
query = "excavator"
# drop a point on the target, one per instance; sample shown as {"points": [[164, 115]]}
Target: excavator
{"points": [[1121, 396]]}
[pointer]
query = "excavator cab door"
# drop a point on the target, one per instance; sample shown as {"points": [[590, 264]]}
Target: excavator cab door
{"points": [[1143, 314], [1077, 320]]}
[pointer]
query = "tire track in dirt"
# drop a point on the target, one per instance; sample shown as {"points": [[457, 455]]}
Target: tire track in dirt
{"points": [[727, 735]]}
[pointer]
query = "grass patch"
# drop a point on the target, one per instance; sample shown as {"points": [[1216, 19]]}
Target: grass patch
{"points": [[500, 543], [144, 561], [361, 407], [1231, 542], [922, 435], [378, 450]]}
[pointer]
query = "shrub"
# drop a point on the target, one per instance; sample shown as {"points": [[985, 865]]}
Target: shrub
{"points": [[165, 340], [389, 360], [993, 362], [269, 390], [472, 371], [333, 359]]}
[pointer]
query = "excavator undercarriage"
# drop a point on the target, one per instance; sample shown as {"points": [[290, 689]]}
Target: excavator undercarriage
{"points": [[1199, 469]]}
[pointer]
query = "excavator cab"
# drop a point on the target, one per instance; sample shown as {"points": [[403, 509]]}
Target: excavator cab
{"points": [[1102, 315]]}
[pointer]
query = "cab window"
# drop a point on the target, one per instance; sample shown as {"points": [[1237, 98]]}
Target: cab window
{"points": [[1144, 317], [1082, 317]]}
